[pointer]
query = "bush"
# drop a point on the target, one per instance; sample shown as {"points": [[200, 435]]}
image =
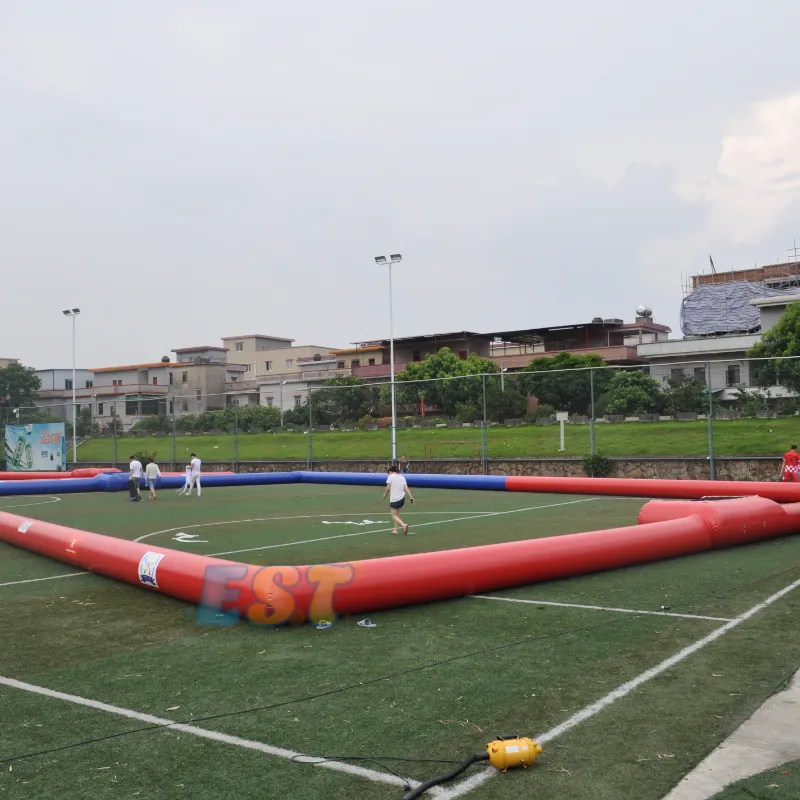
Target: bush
{"points": [[465, 412], [597, 466], [543, 410]]}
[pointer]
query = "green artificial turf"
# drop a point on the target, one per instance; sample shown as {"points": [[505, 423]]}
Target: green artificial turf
{"points": [[780, 783], [436, 681]]}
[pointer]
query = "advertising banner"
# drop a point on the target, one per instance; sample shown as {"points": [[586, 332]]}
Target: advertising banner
{"points": [[36, 448]]}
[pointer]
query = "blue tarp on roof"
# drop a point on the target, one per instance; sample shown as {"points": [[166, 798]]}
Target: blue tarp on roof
{"points": [[725, 308]]}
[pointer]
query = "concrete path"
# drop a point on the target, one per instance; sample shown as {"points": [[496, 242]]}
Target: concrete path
{"points": [[768, 739]]}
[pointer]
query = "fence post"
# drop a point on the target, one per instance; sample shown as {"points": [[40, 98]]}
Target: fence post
{"points": [[236, 438], [711, 466], [592, 448], [310, 456], [173, 444], [484, 432]]}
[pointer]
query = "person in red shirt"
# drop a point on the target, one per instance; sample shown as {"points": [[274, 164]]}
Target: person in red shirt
{"points": [[791, 465]]}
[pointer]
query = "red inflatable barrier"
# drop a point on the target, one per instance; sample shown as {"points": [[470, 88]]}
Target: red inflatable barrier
{"points": [[668, 489], [84, 472], [275, 595]]}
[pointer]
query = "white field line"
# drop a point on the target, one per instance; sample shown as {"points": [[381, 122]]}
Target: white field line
{"points": [[51, 499], [625, 689], [476, 515], [223, 738], [599, 608], [482, 515], [281, 519], [51, 578]]}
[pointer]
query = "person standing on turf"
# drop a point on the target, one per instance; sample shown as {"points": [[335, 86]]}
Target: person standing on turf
{"points": [[403, 464], [195, 464], [134, 479], [152, 473], [791, 465], [188, 482], [397, 489]]}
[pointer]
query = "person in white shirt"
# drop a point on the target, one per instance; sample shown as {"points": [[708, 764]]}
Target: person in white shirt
{"points": [[195, 464], [185, 488], [152, 473], [397, 489], [135, 479]]}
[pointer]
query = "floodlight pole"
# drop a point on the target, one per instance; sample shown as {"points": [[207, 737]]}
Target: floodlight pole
{"points": [[73, 312], [381, 260]]}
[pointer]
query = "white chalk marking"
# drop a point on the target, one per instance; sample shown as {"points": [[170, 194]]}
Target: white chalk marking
{"points": [[386, 530], [51, 578], [626, 688], [350, 522], [49, 501], [599, 608], [224, 738]]}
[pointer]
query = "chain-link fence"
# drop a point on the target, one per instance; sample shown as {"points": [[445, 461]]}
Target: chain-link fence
{"points": [[669, 409]]}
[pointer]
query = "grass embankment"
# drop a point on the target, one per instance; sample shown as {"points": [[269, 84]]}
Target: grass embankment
{"points": [[731, 438]]}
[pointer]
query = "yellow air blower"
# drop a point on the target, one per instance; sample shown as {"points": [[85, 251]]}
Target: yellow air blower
{"points": [[512, 751], [504, 753]]}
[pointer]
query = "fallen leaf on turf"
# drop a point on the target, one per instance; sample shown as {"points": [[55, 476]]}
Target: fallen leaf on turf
{"points": [[104, 768], [715, 675], [666, 755], [786, 772], [772, 786], [173, 708]]}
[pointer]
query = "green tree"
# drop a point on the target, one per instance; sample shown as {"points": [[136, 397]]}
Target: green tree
{"points": [[562, 381], [686, 395], [780, 341], [464, 387], [344, 398], [631, 392], [18, 386]]}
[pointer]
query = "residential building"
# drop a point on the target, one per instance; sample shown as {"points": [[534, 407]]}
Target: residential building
{"points": [[132, 391], [282, 376], [720, 361], [54, 398], [198, 381], [611, 339], [4, 362], [371, 360], [259, 353]]}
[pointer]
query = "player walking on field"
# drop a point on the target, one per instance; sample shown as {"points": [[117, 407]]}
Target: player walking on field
{"points": [[397, 489], [791, 465], [134, 479], [152, 473], [195, 464]]}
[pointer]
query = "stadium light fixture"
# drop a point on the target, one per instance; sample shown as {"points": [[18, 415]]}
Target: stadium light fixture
{"points": [[395, 258]]}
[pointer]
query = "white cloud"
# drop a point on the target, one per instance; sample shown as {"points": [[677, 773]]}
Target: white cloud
{"points": [[757, 177]]}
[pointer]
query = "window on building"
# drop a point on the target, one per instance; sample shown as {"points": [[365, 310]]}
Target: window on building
{"points": [[733, 375], [89, 384], [371, 362], [239, 347], [463, 355], [155, 380], [289, 363], [171, 407], [676, 374], [99, 409], [298, 400], [171, 377], [268, 366], [340, 365], [184, 377], [354, 363], [131, 407], [269, 402], [68, 383], [185, 405], [700, 375], [199, 394], [416, 356]]}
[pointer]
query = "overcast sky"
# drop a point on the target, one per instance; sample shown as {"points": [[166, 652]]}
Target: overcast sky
{"points": [[184, 171]]}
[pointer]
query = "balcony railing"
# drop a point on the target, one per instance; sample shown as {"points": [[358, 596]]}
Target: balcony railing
{"points": [[614, 353], [378, 370]]}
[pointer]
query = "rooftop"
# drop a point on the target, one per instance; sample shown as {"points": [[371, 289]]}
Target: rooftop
{"points": [[198, 349], [151, 365], [776, 301], [256, 336]]}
